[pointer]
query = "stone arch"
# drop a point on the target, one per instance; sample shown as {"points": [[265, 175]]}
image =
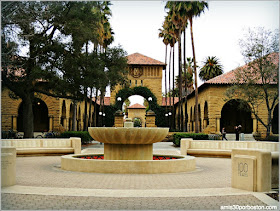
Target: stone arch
{"points": [[125, 93], [236, 112], [40, 116], [63, 114], [275, 120]]}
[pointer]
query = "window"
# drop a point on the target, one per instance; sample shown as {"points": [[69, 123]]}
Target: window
{"points": [[141, 82], [129, 82], [135, 82]]}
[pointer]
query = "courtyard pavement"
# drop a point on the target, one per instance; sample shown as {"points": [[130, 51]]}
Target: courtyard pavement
{"points": [[42, 185]]}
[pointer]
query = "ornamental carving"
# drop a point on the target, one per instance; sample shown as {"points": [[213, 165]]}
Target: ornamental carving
{"points": [[136, 72]]}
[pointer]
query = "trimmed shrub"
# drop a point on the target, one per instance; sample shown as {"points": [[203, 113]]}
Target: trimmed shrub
{"points": [[195, 136], [84, 135]]}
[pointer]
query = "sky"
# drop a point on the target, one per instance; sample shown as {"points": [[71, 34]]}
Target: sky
{"points": [[217, 31]]}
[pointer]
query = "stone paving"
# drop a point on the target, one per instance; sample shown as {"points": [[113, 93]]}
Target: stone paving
{"points": [[42, 185]]}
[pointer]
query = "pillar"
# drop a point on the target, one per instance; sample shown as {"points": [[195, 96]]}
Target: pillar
{"points": [[14, 122], [204, 123], [119, 118], [64, 122], [218, 124], [255, 122], [150, 119], [50, 123]]}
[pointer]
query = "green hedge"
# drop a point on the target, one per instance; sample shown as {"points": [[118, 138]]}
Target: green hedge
{"points": [[195, 136], [84, 135]]}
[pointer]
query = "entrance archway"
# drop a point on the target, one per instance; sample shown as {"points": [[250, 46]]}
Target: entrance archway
{"points": [[275, 120], [40, 116], [236, 112]]}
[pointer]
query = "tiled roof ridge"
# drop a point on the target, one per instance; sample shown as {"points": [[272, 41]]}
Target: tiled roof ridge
{"points": [[228, 77], [138, 58], [136, 105]]}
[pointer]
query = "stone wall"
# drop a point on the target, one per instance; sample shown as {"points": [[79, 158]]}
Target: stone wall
{"points": [[10, 107], [137, 113]]}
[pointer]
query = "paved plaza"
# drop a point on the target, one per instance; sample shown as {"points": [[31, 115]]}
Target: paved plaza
{"points": [[42, 185]]}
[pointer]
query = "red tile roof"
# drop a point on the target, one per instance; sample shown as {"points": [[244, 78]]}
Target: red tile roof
{"points": [[141, 59], [106, 100], [176, 100], [229, 77], [136, 105]]}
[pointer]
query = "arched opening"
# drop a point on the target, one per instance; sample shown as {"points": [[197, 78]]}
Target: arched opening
{"points": [[206, 118], [199, 118], [275, 120], [192, 118], [79, 119], [40, 116], [63, 114], [234, 113], [135, 107], [71, 113]]}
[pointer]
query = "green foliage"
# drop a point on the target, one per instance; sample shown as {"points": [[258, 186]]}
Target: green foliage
{"points": [[211, 68], [137, 122], [84, 135], [195, 136]]}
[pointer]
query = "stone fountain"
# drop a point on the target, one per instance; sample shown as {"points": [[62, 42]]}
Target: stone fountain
{"points": [[127, 150]]}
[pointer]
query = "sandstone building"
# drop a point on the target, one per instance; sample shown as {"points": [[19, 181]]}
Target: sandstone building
{"points": [[215, 112]]}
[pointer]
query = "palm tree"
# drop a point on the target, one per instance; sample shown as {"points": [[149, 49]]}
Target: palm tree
{"points": [[194, 9], [211, 68], [179, 19], [163, 33]]}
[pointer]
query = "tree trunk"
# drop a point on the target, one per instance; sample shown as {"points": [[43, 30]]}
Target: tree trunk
{"points": [[165, 82], [195, 81], [169, 86], [173, 86], [85, 113], [180, 84], [95, 108], [89, 115], [186, 94], [28, 124]]}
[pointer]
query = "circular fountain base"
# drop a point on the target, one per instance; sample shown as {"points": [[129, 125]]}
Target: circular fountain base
{"points": [[75, 163]]}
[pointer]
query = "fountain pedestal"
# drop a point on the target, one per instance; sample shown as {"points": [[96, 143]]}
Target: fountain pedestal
{"points": [[128, 151], [128, 143]]}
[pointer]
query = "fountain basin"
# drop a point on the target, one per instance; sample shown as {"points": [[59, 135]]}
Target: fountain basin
{"points": [[123, 135], [122, 143], [75, 163]]}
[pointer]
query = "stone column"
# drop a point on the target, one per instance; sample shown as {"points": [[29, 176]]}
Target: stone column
{"points": [[218, 125], [255, 122], [150, 119], [14, 120], [64, 122], [119, 118], [204, 123], [50, 123]]}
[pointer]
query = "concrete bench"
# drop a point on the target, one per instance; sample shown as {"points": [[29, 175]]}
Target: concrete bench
{"points": [[44, 146], [222, 148]]}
